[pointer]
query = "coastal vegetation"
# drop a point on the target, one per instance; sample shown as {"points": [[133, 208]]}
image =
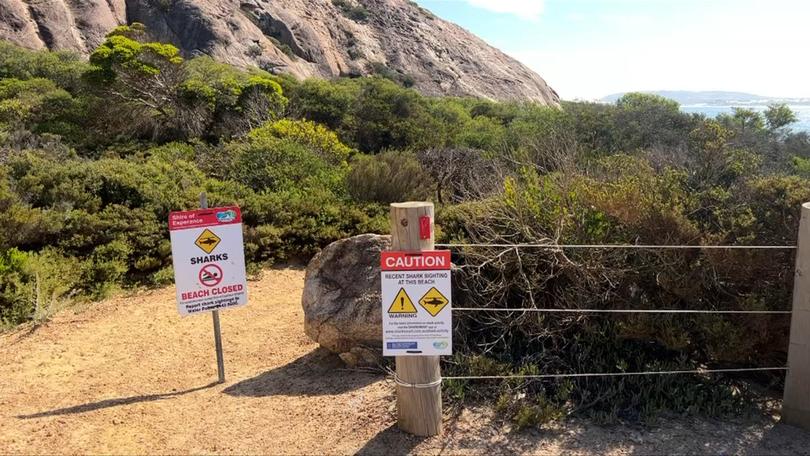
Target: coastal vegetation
{"points": [[94, 154]]}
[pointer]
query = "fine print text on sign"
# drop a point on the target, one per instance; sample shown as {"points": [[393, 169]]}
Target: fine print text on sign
{"points": [[417, 304], [209, 259]]}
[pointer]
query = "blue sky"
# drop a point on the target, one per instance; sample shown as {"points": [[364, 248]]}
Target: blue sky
{"points": [[591, 48]]}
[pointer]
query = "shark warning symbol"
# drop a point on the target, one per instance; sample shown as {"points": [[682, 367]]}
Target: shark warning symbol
{"points": [[402, 304], [433, 301], [207, 241]]}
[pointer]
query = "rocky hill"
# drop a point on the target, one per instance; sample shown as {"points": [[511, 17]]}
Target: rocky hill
{"points": [[307, 38]]}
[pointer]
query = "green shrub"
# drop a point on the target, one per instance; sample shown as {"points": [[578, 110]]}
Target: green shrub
{"points": [[33, 286], [624, 200], [65, 69], [388, 178], [296, 225], [318, 138], [270, 164]]}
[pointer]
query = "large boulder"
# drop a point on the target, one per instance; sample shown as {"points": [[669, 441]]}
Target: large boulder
{"points": [[341, 299]]}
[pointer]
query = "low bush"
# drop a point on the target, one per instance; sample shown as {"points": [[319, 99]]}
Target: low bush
{"points": [[34, 285], [388, 177], [614, 206]]}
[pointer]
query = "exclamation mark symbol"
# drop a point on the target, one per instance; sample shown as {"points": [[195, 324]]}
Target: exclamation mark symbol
{"points": [[402, 304]]}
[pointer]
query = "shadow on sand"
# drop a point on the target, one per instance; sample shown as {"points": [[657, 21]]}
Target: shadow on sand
{"points": [[390, 441], [317, 373], [107, 403]]}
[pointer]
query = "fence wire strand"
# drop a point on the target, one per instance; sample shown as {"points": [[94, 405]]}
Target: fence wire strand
{"points": [[616, 374], [620, 246], [626, 246], [641, 311]]}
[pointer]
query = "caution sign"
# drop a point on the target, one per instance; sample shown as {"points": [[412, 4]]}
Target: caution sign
{"points": [[408, 329], [402, 304], [209, 259], [207, 241], [433, 301]]}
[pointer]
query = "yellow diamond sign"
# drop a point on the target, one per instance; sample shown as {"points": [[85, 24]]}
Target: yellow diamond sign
{"points": [[433, 301], [207, 241]]}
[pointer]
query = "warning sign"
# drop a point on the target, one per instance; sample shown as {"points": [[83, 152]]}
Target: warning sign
{"points": [[433, 301], [209, 259], [207, 241], [402, 304], [410, 330]]}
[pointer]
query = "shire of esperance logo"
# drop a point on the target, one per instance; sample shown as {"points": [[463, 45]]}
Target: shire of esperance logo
{"points": [[226, 216], [441, 345]]}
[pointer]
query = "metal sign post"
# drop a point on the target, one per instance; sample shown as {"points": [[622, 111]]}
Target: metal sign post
{"points": [[215, 315], [208, 255]]}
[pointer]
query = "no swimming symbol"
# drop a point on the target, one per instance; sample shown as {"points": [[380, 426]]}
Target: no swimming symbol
{"points": [[210, 275]]}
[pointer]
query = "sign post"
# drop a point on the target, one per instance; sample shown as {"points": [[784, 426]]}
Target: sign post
{"points": [[796, 401], [209, 264], [205, 243], [417, 316]]}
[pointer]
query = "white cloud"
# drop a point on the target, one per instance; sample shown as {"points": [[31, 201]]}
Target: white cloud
{"points": [[524, 9]]}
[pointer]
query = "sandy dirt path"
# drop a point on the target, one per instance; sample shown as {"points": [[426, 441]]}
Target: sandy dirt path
{"points": [[129, 376]]}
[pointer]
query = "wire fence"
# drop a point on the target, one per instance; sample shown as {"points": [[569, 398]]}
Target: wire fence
{"points": [[618, 311], [617, 374], [620, 246], [627, 311]]}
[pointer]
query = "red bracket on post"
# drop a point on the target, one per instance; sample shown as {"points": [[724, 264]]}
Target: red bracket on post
{"points": [[424, 227]]}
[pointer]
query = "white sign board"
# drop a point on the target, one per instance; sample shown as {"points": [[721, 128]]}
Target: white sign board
{"points": [[417, 307], [209, 259]]}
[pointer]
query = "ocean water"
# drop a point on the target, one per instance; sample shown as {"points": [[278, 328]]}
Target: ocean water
{"points": [[802, 113]]}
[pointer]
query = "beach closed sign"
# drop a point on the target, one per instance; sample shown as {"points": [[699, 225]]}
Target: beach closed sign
{"points": [[417, 306], [209, 259]]}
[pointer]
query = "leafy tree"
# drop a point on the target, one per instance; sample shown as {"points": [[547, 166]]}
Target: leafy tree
{"points": [[744, 120], [172, 98], [144, 77], [387, 116], [461, 174], [483, 133], [636, 101], [778, 116], [323, 102], [645, 120], [542, 137], [593, 124], [234, 101]]}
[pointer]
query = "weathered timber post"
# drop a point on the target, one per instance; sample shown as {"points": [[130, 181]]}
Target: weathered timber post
{"points": [[796, 401], [419, 394]]}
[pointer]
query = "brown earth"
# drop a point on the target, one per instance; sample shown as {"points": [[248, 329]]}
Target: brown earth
{"points": [[129, 376]]}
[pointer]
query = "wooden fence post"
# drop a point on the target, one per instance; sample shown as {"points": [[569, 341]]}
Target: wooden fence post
{"points": [[796, 401], [419, 389]]}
